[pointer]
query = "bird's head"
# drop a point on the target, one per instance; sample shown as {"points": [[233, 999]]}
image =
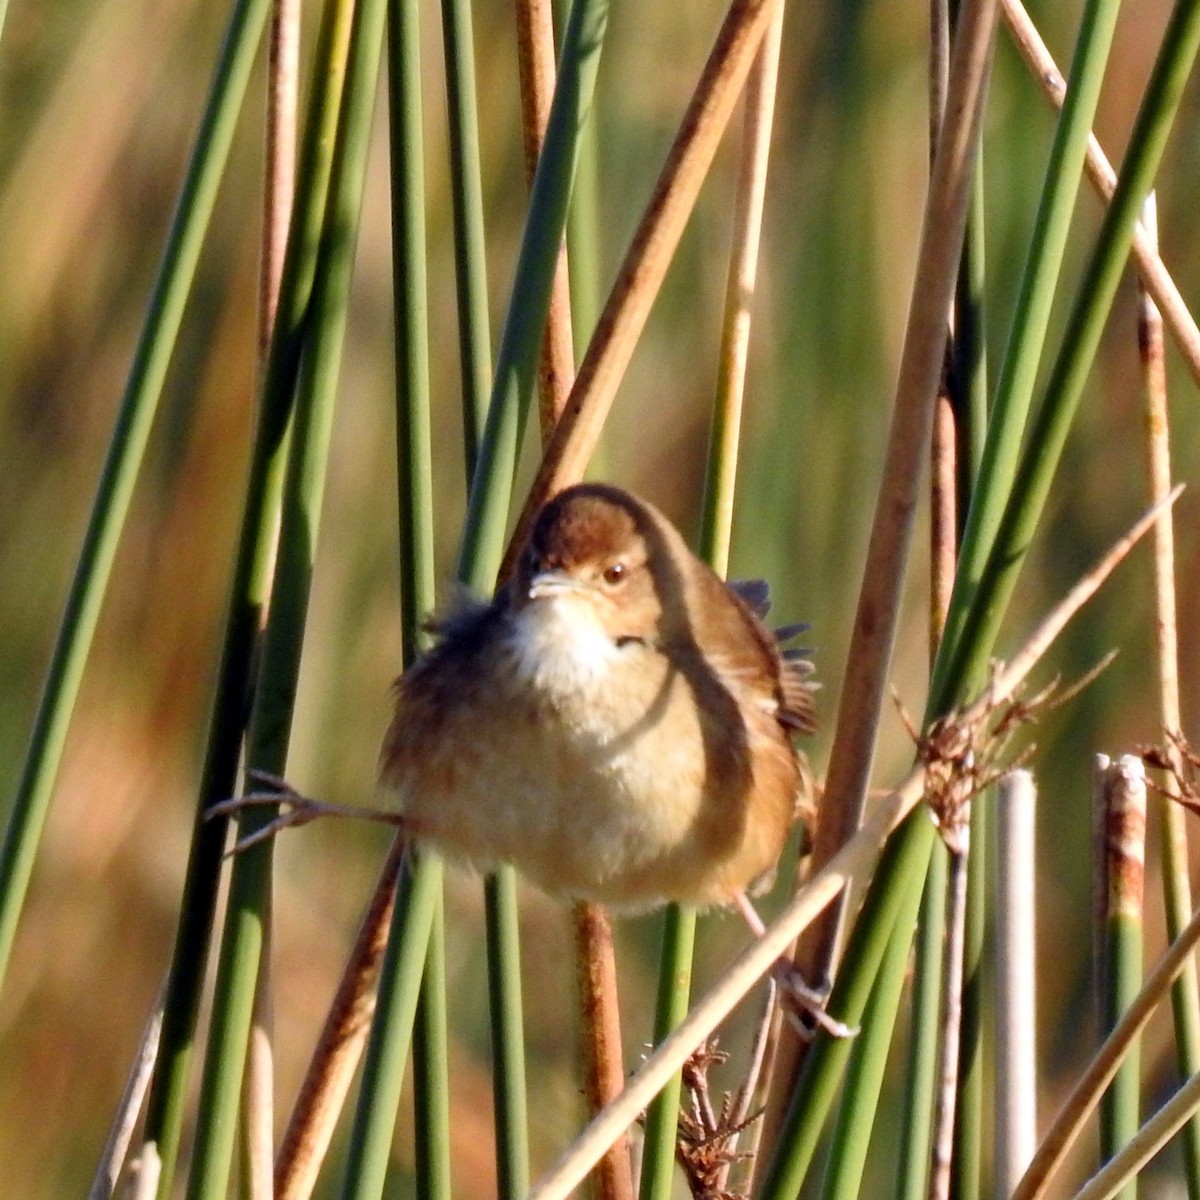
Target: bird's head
{"points": [[587, 558]]}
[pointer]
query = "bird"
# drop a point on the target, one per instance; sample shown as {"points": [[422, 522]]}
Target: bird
{"points": [[616, 722]]}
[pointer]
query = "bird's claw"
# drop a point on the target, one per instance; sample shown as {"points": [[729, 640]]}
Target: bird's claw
{"points": [[804, 1005], [295, 809]]}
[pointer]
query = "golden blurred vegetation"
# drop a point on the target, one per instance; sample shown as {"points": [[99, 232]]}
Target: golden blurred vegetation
{"points": [[100, 103]]}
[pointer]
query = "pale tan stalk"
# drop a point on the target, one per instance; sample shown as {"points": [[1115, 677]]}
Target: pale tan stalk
{"points": [[120, 1135], [1173, 838], [951, 1021], [739, 294], [1150, 1139], [720, 488], [1016, 1008], [1079, 1105]]}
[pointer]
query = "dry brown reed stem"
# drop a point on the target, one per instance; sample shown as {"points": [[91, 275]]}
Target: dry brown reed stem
{"points": [[535, 63], [1016, 1008], [939, 67], [648, 257], [339, 1048], [1120, 813], [257, 1142], [851, 862], [877, 614], [1150, 268], [917, 392], [604, 1069], [740, 286], [1166, 626], [943, 555]]}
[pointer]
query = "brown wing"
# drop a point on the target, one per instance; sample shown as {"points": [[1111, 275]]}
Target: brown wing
{"points": [[793, 671]]}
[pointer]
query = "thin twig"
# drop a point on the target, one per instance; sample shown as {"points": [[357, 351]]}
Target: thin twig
{"points": [[1016, 1022], [1154, 274], [121, 1134], [340, 1046], [850, 863], [744, 1144], [648, 257]]}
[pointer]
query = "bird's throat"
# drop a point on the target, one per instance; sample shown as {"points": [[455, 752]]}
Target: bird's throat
{"points": [[560, 648]]}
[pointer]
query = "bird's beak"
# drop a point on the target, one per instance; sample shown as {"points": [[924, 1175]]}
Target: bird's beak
{"points": [[547, 584]]}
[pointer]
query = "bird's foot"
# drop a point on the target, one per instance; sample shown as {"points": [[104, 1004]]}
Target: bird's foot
{"points": [[804, 1005], [294, 809]]}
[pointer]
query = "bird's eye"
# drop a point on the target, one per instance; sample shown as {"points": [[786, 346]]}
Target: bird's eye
{"points": [[615, 573]]}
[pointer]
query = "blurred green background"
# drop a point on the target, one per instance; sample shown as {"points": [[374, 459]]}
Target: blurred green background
{"points": [[100, 103]]}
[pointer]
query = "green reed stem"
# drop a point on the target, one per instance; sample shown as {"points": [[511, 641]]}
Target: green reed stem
{"points": [[383, 1067], [516, 362], [470, 267], [674, 991], [431, 1069], [130, 433], [868, 1060], [912, 1173], [248, 599], [249, 898], [1018, 370], [508, 1033]]}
